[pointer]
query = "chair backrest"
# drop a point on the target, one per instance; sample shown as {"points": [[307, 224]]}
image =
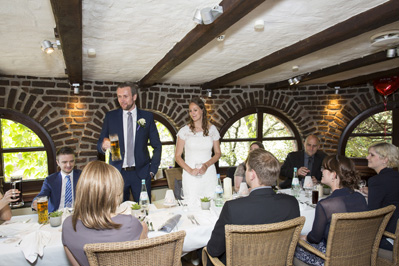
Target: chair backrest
{"points": [[387, 257], [164, 250], [172, 174], [354, 237], [264, 244]]}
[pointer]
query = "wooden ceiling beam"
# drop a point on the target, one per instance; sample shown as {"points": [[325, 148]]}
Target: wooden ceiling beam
{"points": [[369, 78], [233, 11], [68, 20], [369, 20], [346, 66]]}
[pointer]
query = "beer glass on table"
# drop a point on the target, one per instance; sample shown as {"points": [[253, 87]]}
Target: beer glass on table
{"points": [[16, 183], [115, 149], [42, 209]]}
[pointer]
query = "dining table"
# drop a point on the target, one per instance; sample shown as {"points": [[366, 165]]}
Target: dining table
{"points": [[198, 224]]}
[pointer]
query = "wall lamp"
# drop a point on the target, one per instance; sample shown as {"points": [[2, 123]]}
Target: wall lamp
{"points": [[75, 88], [209, 92], [295, 80], [207, 15], [48, 47]]}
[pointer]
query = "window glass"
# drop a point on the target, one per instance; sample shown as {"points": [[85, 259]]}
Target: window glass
{"points": [[23, 152], [276, 136], [168, 146], [375, 128]]}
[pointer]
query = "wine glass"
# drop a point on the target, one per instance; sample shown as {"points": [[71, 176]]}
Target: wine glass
{"points": [[198, 166]]}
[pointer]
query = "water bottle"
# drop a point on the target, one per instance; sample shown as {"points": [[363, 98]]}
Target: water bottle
{"points": [[295, 186], [144, 201], [219, 193]]}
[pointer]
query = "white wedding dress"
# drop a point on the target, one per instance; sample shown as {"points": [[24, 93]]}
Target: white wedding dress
{"points": [[198, 149]]}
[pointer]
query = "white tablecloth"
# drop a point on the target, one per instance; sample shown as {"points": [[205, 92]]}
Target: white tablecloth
{"points": [[197, 236]]}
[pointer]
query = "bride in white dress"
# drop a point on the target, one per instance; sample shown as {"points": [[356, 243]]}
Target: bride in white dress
{"points": [[198, 138]]}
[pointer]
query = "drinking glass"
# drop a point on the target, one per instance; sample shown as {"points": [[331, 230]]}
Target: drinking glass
{"points": [[16, 183], [198, 166], [42, 209], [185, 206], [308, 186], [115, 149], [361, 184]]}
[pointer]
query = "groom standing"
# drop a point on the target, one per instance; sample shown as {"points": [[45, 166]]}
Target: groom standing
{"points": [[134, 128]]}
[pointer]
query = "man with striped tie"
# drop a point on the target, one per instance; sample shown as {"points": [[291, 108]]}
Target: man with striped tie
{"points": [[60, 187]]}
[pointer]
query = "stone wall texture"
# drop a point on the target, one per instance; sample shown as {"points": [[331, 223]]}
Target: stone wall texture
{"points": [[75, 120]]}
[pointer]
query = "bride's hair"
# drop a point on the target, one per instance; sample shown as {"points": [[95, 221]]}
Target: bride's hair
{"points": [[205, 123]]}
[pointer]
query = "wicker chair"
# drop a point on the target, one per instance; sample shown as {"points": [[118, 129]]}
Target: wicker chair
{"points": [[387, 257], [172, 174], [164, 250], [264, 244], [353, 238]]}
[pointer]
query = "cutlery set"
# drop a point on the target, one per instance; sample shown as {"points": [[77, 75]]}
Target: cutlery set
{"points": [[192, 219]]}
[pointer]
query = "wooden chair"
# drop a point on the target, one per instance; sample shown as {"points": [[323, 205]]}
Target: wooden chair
{"points": [[164, 250], [388, 257], [264, 244], [353, 238]]}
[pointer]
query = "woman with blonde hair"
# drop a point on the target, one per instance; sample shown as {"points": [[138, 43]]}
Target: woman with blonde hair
{"points": [[99, 192], [383, 188]]}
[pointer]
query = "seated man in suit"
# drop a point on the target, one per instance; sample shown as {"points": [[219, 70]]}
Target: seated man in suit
{"points": [[308, 162], [262, 206], [60, 186]]}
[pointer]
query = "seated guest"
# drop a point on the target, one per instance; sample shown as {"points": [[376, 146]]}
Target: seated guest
{"points": [[308, 162], [239, 175], [262, 206], [60, 187], [383, 189], [99, 192], [5, 210], [339, 173]]}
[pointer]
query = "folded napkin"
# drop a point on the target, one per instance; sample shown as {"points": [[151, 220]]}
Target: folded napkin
{"points": [[14, 228], [170, 223], [34, 243]]}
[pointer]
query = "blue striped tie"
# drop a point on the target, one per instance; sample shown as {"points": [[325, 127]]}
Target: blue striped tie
{"points": [[68, 192]]}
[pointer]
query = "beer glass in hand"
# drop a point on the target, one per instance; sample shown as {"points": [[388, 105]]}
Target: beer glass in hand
{"points": [[16, 183], [115, 149]]}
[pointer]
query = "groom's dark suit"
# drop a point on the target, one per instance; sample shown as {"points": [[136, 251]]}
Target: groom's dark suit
{"points": [[113, 124], [262, 206]]}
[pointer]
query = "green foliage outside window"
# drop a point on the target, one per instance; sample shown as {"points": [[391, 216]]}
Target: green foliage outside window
{"points": [[236, 152], [29, 164], [376, 128], [168, 150]]}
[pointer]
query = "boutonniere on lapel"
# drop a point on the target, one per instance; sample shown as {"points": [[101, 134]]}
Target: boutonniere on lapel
{"points": [[141, 122]]}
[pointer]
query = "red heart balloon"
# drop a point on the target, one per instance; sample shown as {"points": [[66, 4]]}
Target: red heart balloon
{"points": [[386, 86]]}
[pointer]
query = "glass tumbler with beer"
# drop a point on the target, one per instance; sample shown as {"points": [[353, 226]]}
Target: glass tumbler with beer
{"points": [[315, 195], [42, 209], [16, 183], [115, 149]]}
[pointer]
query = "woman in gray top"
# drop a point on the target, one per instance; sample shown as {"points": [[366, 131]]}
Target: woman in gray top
{"points": [[98, 194]]}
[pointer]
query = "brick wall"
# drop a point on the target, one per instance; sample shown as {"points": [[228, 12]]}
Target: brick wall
{"points": [[75, 120]]}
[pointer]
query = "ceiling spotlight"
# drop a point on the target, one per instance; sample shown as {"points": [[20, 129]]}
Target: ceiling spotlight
{"points": [[291, 82], [209, 91], [297, 80], [391, 52], [48, 47], [207, 15], [259, 25]]}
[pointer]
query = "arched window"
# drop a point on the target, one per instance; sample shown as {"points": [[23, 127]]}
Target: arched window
{"points": [[371, 126], [26, 148], [167, 134], [274, 130]]}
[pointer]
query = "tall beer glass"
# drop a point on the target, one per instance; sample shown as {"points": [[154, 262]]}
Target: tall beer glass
{"points": [[42, 209], [16, 183], [115, 149]]}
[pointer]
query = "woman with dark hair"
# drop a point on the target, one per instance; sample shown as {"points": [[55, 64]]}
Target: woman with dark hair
{"points": [[339, 173], [383, 188], [98, 194], [197, 139], [239, 174]]}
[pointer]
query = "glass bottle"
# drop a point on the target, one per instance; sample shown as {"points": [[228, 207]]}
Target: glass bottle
{"points": [[144, 201], [295, 186]]}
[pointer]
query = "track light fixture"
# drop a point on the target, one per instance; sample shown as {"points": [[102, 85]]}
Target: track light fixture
{"points": [[207, 15], [294, 80], [48, 47]]}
